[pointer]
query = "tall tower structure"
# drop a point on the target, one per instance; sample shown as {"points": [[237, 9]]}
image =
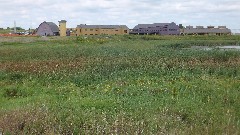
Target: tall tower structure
{"points": [[62, 28], [15, 27]]}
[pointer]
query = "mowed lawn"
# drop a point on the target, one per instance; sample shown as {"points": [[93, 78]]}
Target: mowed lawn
{"points": [[119, 85]]}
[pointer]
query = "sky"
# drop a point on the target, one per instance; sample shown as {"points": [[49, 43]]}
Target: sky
{"points": [[30, 13]]}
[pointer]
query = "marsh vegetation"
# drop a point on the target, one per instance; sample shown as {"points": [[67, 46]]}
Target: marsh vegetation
{"points": [[119, 85]]}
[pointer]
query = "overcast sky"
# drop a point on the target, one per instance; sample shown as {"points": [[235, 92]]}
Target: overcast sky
{"points": [[30, 13]]}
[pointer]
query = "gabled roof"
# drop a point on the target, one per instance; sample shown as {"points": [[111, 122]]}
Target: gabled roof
{"points": [[151, 25], [102, 26], [53, 26]]}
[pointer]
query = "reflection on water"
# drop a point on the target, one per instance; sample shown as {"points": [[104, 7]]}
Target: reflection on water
{"points": [[229, 47], [207, 48]]}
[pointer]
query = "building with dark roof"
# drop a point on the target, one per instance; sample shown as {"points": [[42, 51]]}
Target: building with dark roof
{"points": [[47, 29], [156, 29], [210, 30], [84, 29]]}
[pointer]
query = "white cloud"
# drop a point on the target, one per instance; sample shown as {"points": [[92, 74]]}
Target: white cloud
{"points": [[129, 12]]}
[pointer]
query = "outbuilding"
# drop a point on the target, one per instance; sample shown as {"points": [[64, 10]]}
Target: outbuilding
{"points": [[47, 29]]}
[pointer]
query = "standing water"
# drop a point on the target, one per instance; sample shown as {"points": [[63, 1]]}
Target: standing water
{"points": [[207, 48]]}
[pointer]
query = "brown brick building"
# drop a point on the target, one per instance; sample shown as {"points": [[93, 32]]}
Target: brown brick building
{"points": [[84, 29]]}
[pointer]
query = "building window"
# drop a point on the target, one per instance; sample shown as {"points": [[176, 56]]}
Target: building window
{"points": [[91, 29], [85, 29]]}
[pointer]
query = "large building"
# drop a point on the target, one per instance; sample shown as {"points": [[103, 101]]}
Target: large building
{"points": [[156, 29], [210, 30], [84, 29], [47, 29]]}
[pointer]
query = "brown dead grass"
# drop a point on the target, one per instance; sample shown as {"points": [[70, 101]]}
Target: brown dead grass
{"points": [[46, 66], [53, 66], [20, 122]]}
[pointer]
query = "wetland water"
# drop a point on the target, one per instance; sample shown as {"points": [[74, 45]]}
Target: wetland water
{"points": [[230, 47]]}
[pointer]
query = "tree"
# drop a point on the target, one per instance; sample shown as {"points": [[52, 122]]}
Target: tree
{"points": [[19, 28], [181, 26]]}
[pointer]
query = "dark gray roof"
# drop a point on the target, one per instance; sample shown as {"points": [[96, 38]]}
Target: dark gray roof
{"points": [[62, 21], [102, 26], [151, 25], [53, 26]]}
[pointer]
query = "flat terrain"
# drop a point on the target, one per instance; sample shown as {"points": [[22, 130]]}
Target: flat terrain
{"points": [[119, 85]]}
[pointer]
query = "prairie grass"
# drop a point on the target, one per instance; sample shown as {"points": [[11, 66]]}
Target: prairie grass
{"points": [[119, 85]]}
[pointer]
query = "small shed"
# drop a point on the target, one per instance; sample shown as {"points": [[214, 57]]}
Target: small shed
{"points": [[47, 29]]}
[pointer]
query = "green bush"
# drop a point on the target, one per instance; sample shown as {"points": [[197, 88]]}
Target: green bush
{"points": [[15, 92]]}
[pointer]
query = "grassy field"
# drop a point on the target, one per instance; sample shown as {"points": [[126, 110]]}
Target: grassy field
{"points": [[119, 85]]}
